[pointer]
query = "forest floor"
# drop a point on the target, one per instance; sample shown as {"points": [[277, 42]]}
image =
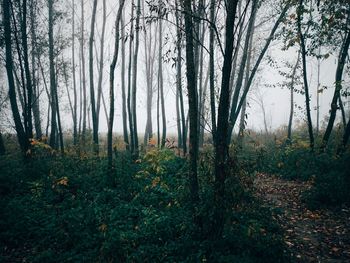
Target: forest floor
{"points": [[313, 236]]}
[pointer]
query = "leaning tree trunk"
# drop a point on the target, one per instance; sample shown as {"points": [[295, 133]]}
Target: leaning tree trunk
{"points": [[338, 86], [111, 89]]}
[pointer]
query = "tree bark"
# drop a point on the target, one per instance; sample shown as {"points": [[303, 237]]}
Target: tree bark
{"points": [[160, 78], [192, 102], [306, 85], [52, 78], [124, 111], [84, 99], [221, 145], [92, 88], [75, 99], [179, 76], [134, 82], [111, 88], [291, 113], [21, 134]]}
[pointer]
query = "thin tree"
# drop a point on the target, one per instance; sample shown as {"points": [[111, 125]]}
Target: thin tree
{"points": [[306, 85], [111, 87], [91, 73]]}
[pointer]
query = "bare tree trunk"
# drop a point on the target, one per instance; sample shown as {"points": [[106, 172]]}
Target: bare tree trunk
{"points": [[150, 49], [179, 76], [134, 82], [52, 78], [160, 78], [192, 102], [75, 100], [318, 93], [124, 111], [212, 71], [21, 134], [111, 88], [306, 85], [92, 88], [84, 113], [29, 87], [221, 145], [291, 114], [101, 62], [36, 95], [130, 114]]}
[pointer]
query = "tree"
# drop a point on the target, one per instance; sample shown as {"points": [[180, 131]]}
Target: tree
{"points": [[222, 164], [111, 88], [21, 134], [91, 71], [192, 102], [306, 85]]}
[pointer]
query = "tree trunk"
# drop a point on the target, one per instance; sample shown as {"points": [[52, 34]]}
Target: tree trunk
{"points": [[306, 85], [29, 87], [2, 145], [111, 88], [101, 62], [52, 78], [338, 86], [134, 82], [192, 102], [124, 112], [130, 114], [92, 88], [291, 113], [222, 165], [36, 95], [21, 134], [160, 78], [75, 100], [212, 71], [179, 76], [83, 133]]}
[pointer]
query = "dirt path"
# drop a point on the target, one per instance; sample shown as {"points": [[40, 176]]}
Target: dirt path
{"points": [[312, 236]]}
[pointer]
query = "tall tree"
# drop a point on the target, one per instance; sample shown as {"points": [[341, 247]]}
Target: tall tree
{"points": [[21, 134], [300, 12], [83, 73], [222, 165], [91, 73], [52, 77], [179, 76], [134, 75], [124, 110], [111, 87], [192, 102]]}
